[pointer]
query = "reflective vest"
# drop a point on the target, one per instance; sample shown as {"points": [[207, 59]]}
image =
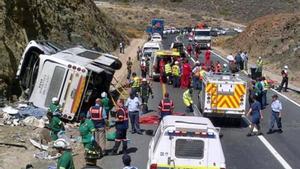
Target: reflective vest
{"points": [[166, 105], [175, 70], [96, 113], [266, 85], [187, 99], [168, 68], [122, 116], [136, 82], [197, 72], [259, 64], [202, 74]]}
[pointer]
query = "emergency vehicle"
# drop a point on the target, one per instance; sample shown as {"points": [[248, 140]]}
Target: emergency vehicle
{"points": [[76, 76], [203, 37], [223, 95], [165, 55], [186, 142]]}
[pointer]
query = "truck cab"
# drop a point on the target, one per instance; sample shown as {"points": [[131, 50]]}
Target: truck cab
{"points": [[203, 37], [76, 76], [186, 142]]}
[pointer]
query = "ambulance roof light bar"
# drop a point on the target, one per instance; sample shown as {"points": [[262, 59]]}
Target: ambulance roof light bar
{"points": [[200, 133]]}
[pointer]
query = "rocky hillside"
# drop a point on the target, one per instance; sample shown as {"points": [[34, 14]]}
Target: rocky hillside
{"points": [[241, 11], [62, 21], [274, 37]]}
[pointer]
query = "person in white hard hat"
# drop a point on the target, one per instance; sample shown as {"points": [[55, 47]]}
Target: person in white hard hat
{"points": [[259, 66], [143, 66], [54, 106], [105, 103], [176, 74], [145, 92], [65, 161], [285, 79]]}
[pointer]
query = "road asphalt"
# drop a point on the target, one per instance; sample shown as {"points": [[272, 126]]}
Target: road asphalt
{"points": [[241, 152]]}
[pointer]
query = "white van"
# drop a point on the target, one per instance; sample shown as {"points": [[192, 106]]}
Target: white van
{"points": [[186, 142], [76, 76]]}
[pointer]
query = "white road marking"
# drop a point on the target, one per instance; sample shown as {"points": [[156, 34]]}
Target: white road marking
{"points": [[262, 138]]}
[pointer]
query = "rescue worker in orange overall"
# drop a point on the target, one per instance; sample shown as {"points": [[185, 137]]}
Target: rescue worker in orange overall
{"points": [[189, 49], [166, 106], [121, 128], [162, 69], [197, 51], [207, 58], [186, 74], [218, 67]]}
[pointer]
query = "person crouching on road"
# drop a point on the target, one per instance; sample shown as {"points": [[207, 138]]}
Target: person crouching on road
{"points": [[256, 114], [56, 125], [166, 106], [276, 114], [98, 115], [65, 161], [121, 127], [133, 105], [176, 74], [187, 100]]}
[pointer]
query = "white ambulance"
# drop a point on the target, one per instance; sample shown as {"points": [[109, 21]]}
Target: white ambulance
{"points": [[186, 142], [76, 76]]}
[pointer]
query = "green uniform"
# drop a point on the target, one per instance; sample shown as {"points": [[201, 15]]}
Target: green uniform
{"points": [[56, 126], [65, 161], [105, 104], [54, 107], [86, 130]]}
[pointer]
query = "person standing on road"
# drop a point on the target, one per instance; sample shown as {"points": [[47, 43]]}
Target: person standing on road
{"points": [[176, 74], [135, 84], [266, 87], [143, 66], [105, 104], [121, 127], [239, 61], [166, 106], [187, 100], [259, 66], [197, 51], [145, 93], [138, 53], [207, 58], [65, 161], [276, 107], [285, 79], [259, 91], [186, 75], [196, 75], [218, 67], [133, 105], [98, 115], [129, 67], [121, 47], [127, 162], [168, 71], [189, 49], [246, 58], [256, 115]]}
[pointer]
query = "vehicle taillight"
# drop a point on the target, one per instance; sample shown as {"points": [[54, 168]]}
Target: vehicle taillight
{"points": [[153, 166]]}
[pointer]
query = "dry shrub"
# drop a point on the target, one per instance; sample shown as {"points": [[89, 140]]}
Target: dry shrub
{"points": [[221, 40], [134, 33]]}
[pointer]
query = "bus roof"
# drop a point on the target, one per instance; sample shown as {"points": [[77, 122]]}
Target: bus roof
{"points": [[167, 53]]}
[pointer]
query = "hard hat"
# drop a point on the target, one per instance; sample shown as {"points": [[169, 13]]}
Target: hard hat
{"points": [[197, 62], [176, 62], [225, 65], [259, 57], [103, 94], [143, 58], [54, 99], [286, 67], [144, 80], [61, 143]]}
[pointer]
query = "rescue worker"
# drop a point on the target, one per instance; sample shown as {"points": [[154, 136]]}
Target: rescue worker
{"points": [[187, 100], [276, 115], [197, 51], [56, 125], [143, 66], [259, 91], [129, 67], [166, 106], [133, 105], [146, 91], [121, 128], [162, 69], [218, 67], [138, 53], [65, 161], [176, 74], [54, 106], [135, 84], [87, 131], [196, 75], [259, 66], [212, 67], [189, 49], [105, 103], [121, 47], [98, 115], [256, 115], [207, 58], [239, 61], [265, 86], [285, 79], [186, 74], [168, 72]]}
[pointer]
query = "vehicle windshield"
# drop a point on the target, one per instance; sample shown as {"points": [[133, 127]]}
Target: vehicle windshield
{"points": [[189, 148], [202, 33], [151, 48], [156, 37]]}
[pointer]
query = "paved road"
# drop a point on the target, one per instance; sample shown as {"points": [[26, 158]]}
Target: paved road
{"points": [[241, 152]]}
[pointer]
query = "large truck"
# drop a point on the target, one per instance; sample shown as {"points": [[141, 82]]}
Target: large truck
{"points": [[203, 37], [157, 26], [76, 76], [223, 95]]}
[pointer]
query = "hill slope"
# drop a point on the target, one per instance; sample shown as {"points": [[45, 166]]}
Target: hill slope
{"points": [[67, 21]]}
